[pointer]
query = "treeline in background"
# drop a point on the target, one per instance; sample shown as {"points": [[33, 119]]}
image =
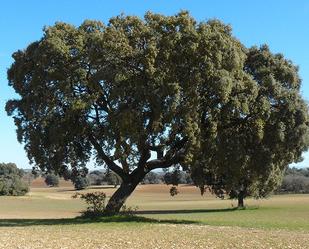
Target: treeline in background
{"points": [[295, 180]]}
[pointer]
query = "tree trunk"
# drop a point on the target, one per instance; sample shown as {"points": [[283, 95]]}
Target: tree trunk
{"points": [[122, 193], [240, 199]]}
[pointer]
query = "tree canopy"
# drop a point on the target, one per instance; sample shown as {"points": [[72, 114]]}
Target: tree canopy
{"points": [[141, 94], [11, 182], [249, 157]]}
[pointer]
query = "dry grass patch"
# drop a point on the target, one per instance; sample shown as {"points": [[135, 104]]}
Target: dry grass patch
{"points": [[136, 236]]}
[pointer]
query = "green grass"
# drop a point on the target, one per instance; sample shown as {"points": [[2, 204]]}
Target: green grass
{"points": [[262, 217], [278, 212]]}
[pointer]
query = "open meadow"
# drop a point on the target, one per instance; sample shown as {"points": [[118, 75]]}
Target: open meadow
{"points": [[45, 218]]}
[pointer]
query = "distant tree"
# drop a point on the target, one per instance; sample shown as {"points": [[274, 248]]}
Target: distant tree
{"points": [[298, 184], [80, 182], [297, 171], [172, 177], [112, 178], [152, 178], [11, 182], [295, 180], [166, 86], [96, 177], [52, 180]]}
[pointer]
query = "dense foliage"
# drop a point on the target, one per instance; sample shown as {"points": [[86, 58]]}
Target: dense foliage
{"points": [[255, 144], [11, 182], [185, 92]]}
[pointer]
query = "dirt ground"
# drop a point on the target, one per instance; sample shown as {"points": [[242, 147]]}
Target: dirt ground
{"points": [[157, 236]]}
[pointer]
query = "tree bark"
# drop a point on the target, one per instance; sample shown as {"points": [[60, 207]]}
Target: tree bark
{"points": [[240, 199], [122, 193]]}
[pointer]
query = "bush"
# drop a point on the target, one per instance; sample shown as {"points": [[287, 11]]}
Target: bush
{"points": [[95, 201], [80, 182], [52, 180], [10, 180], [174, 191]]}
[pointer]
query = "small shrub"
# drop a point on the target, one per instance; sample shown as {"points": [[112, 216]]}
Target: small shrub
{"points": [[95, 201], [174, 191]]}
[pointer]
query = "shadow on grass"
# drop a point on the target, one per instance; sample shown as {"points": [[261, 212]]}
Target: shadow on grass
{"points": [[99, 187], [114, 219], [186, 211], [80, 220]]}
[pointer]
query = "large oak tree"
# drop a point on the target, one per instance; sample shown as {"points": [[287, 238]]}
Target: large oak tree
{"points": [[135, 95]]}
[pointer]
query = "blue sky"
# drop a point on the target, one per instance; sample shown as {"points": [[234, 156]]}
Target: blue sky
{"points": [[282, 24]]}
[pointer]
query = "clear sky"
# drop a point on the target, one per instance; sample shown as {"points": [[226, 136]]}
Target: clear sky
{"points": [[282, 24]]}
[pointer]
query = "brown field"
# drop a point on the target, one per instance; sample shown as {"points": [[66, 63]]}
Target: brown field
{"points": [[39, 183]]}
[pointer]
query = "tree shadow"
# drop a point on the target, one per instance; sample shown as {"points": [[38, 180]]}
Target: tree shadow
{"points": [[98, 187], [186, 211], [91, 187], [82, 220], [137, 218]]}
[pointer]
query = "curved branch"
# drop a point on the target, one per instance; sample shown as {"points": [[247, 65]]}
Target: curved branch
{"points": [[110, 163], [165, 162]]}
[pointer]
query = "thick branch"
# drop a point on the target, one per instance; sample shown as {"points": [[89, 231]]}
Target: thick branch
{"points": [[165, 162], [159, 149], [173, 156], [145, 155], [111, 165]]}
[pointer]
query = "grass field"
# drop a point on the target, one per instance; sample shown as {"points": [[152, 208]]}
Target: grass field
{"points": [[45, 219]]}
